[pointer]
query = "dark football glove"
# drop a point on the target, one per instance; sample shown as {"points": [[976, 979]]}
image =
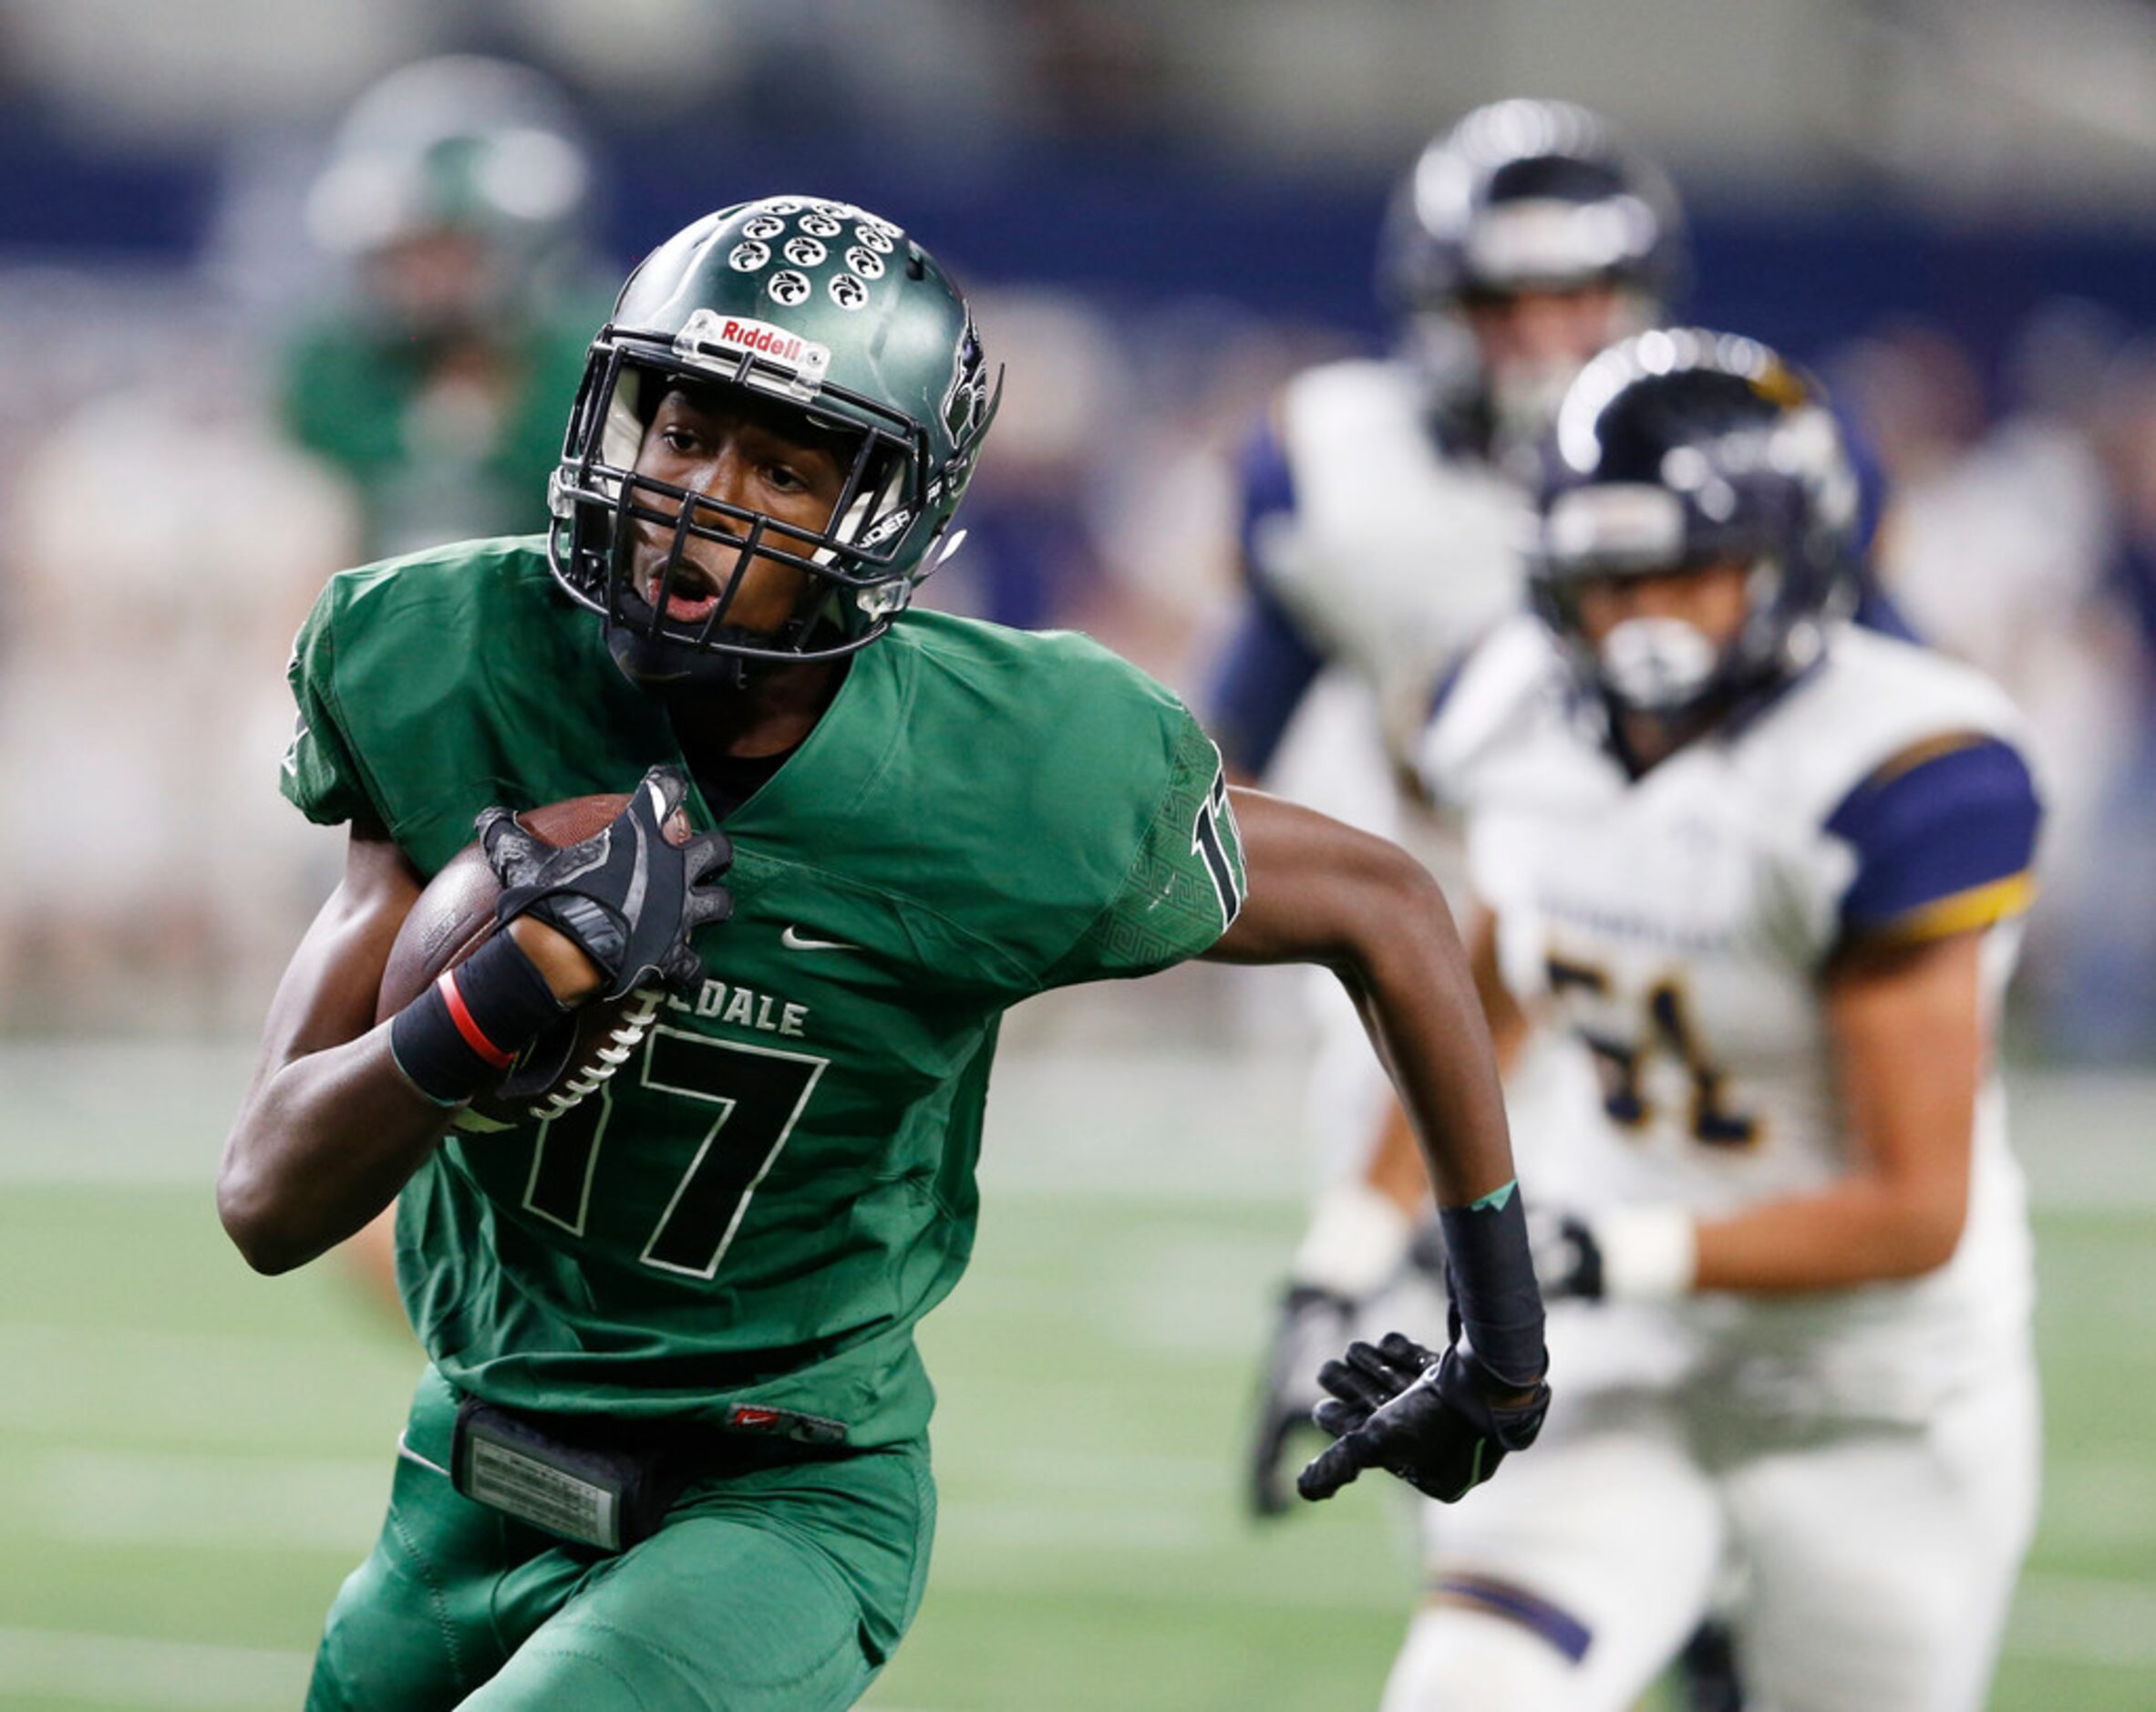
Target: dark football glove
{"points": [[1567, 1258], [627, 896], [1429, 1419], [1311, 1323]]}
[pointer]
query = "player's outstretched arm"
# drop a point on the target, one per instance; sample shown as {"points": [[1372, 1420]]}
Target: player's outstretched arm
{"points": [[1362, 1234], [1322, 892]]}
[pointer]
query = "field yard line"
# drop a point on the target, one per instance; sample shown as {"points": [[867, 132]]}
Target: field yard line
{"points": [[2084, 1620], [130, 1670]]}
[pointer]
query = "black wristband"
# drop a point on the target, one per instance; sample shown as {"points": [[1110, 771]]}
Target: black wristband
{"points": [[465, 1031], [1493, 1287]]}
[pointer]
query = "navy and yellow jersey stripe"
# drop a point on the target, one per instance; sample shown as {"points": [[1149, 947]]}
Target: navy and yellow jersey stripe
{"points": [[1944, 835]]}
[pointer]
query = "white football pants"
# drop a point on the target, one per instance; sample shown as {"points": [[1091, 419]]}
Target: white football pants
{"points": [[1874, 1562]]}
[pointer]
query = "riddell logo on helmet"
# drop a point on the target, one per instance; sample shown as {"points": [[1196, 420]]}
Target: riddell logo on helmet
{"points": [[787, 350]]}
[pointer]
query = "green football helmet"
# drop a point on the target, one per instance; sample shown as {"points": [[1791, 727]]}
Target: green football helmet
{"points": [[822, 308]]}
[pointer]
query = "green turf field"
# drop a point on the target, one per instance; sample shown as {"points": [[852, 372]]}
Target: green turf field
{"points": [[195, 1456]]}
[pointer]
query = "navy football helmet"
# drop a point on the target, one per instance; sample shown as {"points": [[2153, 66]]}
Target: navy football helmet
{"points": [[1679, 449], [1524, 196]]}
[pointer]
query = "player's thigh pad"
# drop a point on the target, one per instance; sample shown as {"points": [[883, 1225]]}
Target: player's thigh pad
{"points": [[1598, 1547], [711, 1612], [1882, 1560], [778, 1590]]}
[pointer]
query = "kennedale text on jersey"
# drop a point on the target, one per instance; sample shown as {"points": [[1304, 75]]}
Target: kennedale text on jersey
{"points": [[744, 1006]]}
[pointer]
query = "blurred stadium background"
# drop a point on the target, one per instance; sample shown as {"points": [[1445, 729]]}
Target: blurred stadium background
{"points": [[1948, 206]]}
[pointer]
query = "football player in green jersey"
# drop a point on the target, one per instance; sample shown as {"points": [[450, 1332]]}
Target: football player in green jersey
{"points": [[454, 196], [670, 1449]]}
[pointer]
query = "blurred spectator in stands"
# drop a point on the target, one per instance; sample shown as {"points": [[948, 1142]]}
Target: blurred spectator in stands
{"points": [[2108, 996], [2001, 543], [163, 545]]}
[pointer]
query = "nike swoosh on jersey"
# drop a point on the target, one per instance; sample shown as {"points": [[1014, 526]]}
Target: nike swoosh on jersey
{"points": [[793, 939]]}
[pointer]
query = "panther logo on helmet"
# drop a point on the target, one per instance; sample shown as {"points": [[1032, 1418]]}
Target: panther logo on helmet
{"points": [[749, 256], [882, 241], [819, 225], [805, 252], [789, 288], [763, 226], [865, 262], [965, 402], [848, 292]]}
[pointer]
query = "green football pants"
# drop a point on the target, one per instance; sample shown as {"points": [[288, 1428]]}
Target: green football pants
{"points": [[779, 1589]]}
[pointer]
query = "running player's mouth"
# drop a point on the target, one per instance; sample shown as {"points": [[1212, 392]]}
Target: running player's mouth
{"points": [[692, 595]]}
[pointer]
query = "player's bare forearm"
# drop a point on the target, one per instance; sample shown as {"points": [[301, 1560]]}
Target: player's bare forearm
{"points": [[1395, 1166], [1322, 892], [330, 1128], [1909, 1051]]}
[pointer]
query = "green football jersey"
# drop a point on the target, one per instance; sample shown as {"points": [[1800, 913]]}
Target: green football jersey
{"points": [[749, 1220], [361, 400]]}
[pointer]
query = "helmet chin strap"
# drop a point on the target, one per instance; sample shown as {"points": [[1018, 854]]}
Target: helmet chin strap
{"points": [[657, 663]]}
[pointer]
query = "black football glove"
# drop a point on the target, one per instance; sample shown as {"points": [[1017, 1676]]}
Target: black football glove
{"points": [[626, 896], [1427, 1417], [1311, 1323], [1567, 1258]]}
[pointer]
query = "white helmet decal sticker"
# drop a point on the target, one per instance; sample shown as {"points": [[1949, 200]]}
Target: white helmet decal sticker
{"points": [[788, 287], [848, 292], [763, 226], [805, 252], [865, 262], [749, 256]]}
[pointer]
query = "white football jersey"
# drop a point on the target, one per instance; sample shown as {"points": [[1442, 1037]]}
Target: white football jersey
{"points": [[1396, 556], [1677, 925]]}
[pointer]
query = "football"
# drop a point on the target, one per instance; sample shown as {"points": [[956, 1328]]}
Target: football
{"points": [[453, 917]]}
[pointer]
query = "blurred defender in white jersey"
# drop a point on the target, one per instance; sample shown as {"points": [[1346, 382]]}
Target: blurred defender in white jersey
{"points": [[1383, 502], [1765, 868], [1384, 513]]}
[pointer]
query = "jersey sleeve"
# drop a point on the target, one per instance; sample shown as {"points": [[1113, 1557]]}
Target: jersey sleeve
{"points": [[1265, 483], [1944, 835], [1270, 660], [1184, 885], [1260, 680], [320, 775]]}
